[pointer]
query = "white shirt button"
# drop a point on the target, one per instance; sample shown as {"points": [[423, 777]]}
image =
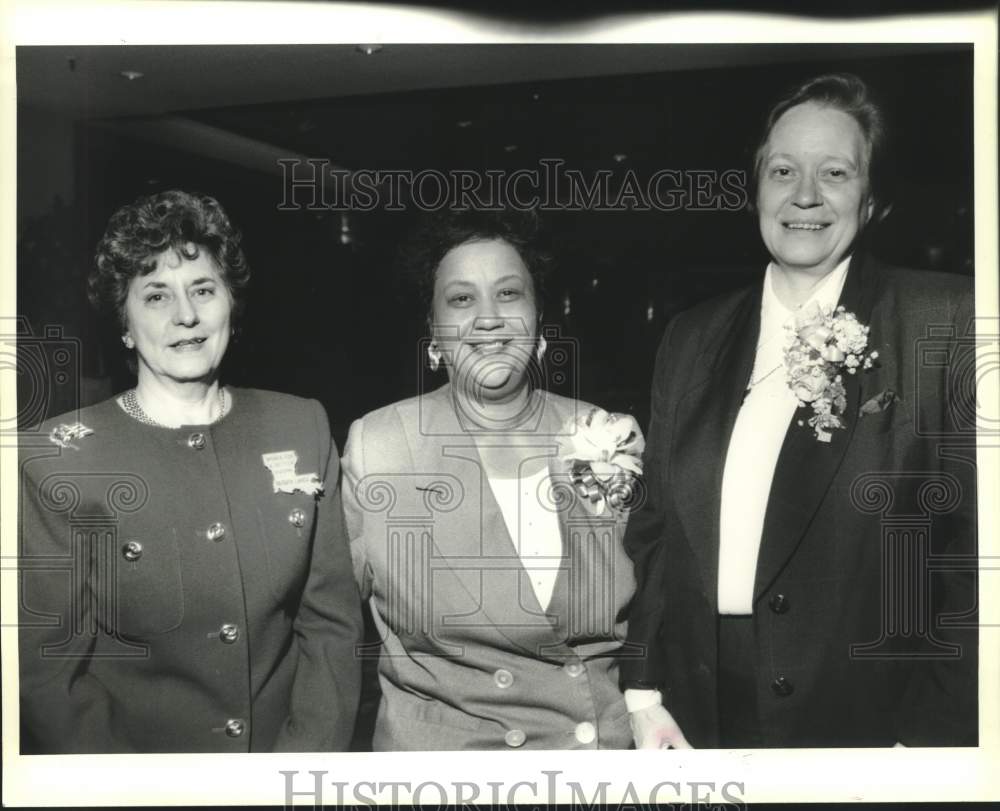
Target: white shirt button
{"points": [[585, 732], [514, 738]]}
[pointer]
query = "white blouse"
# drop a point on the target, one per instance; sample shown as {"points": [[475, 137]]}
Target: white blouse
{"points": [[756, 441], [533, 527]]}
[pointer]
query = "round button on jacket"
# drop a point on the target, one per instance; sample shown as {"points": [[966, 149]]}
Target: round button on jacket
{"points": [[573, 669], [297, 517], [503, 678], [229, 633], [132, 551], [235, 727], [215, 532], [779, 604], [196, 441], [782, 687], [514, 738], [585, 732]]}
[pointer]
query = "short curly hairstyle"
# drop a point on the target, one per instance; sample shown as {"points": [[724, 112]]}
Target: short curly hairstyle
{"points": [[849, 94], [441, 231], [138, 233]]}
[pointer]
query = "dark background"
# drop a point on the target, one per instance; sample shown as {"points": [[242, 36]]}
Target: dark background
{"points": [[325, 317]]}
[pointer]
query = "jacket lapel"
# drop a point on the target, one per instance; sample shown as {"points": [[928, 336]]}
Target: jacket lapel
{"points": [[806, 466], [473, 540], [705, 420]]}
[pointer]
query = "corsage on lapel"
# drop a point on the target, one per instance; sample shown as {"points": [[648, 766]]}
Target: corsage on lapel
{"points": [[63, 435], [286, 480], [824, 346], [603, 454]]}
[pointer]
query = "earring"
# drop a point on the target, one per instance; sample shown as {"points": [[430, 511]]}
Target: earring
{"points": [[433, 356], [127, 340], [541, 347]]}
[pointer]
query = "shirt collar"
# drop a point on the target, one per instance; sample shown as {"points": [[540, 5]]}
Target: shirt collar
{"points": [[774, 314]]}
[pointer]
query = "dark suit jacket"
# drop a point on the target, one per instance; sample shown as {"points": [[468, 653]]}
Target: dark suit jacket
{"points": [[121, 648], [864, 594]]}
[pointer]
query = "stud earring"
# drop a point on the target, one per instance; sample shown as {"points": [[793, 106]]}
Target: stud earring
{"points": [[541, 347], [433, 356], [127, 340]]}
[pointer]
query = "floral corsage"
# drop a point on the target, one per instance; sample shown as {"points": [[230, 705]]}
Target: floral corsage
{"points": [[604, 456], [824, 346]]}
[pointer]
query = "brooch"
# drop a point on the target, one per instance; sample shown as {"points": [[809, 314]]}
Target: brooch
{"points": [[63, 435], [286, 480]]}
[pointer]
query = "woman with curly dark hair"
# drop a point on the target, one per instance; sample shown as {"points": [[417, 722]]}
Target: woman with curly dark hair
{"points": [[486, 517], [210, 604]]}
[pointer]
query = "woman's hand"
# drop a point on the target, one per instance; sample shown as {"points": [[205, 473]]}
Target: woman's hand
{"points": [[655, 728]]}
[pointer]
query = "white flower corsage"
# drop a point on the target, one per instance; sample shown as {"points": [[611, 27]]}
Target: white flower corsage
{"points": [[603, 454], [824, 345]]}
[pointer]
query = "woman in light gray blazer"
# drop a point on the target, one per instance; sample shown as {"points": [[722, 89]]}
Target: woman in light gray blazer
{"points": [[494, 567]]}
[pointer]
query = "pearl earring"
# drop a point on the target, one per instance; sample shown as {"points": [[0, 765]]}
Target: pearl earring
{"points": [[127, 340], [541, 347], [433, 356]]}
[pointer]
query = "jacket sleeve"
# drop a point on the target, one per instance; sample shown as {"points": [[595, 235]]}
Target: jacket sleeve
{"points": [[64, 709], [644, 536], [327, 629], [353, 472], [939, 706]]}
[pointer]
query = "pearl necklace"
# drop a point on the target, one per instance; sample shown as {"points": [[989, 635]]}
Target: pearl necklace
{"points": [[130, 402]]}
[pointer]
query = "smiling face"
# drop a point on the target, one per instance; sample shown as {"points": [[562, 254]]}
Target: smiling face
{"points": [[484, 318], [813, 193], [179, 318]]}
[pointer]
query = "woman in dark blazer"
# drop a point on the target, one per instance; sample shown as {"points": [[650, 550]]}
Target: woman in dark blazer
{"points": [[806, 561], [186, 578], [495, 575]]}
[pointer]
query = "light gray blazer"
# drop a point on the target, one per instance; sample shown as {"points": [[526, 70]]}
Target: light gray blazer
{"points": [[468, 658]]}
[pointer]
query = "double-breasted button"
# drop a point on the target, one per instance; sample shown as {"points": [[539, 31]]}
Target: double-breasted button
{"points": [[235, 727], [132, 551], [514, 738], [196, 441], [779, 604], [229, 633], [297, 517], [782, 687], [573, 669], [215, 532], [503, 678], [585, 732]]}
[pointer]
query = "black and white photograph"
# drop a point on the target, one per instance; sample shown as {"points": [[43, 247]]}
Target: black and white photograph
{"points": [[404, 412]]}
